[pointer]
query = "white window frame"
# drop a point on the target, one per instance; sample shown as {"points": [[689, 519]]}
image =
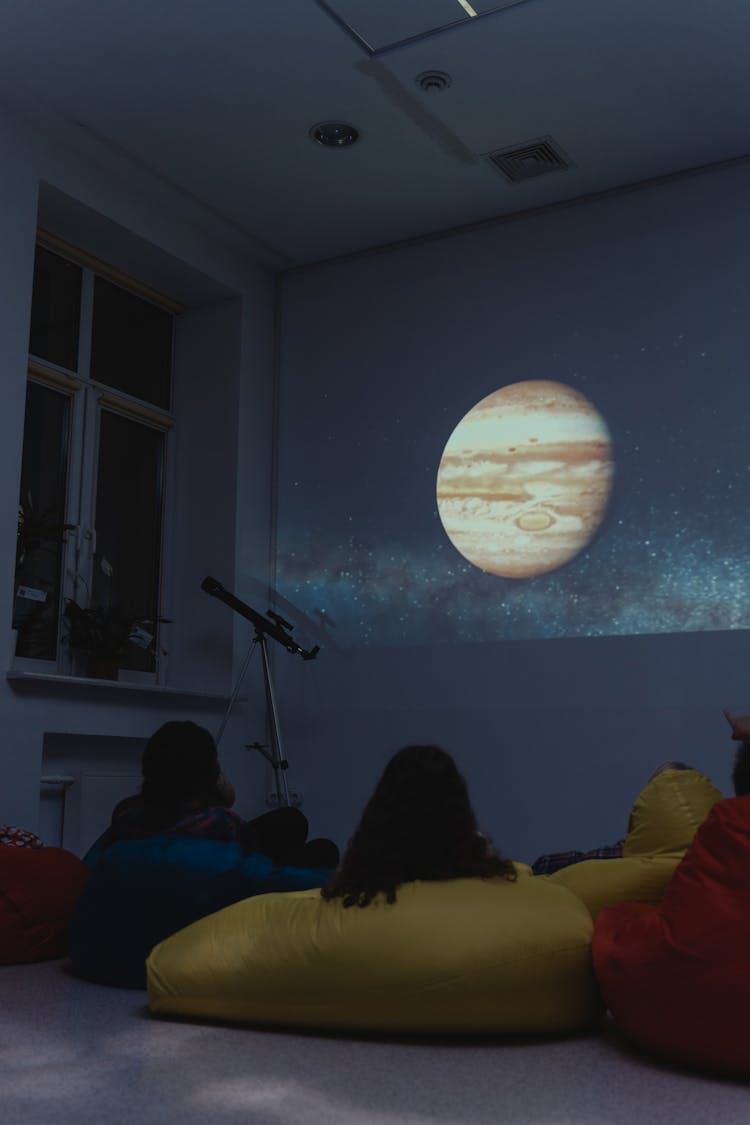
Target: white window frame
{"points": [[87, 399]]}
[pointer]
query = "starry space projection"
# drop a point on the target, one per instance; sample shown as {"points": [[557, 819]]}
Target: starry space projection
{"points": [[576, 503]]}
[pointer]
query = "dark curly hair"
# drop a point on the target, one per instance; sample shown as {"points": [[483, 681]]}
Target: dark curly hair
{"points": [[418, 824]]}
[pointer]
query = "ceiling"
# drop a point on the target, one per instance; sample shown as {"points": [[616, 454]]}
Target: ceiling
{"points": [[218, 97]]}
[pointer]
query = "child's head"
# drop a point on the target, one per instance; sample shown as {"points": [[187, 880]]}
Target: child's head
{"points": [[180, 764], [418, 824]]}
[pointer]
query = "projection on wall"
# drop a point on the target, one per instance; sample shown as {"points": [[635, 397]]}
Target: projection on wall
{"points": [[610, 500], [525, 478]]}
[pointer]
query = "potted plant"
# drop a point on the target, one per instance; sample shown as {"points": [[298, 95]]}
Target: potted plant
{"points": [[103, 634], [39, 545]]}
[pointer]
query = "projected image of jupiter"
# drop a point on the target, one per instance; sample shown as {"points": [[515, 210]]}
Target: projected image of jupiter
{"points": [[524, 479]]}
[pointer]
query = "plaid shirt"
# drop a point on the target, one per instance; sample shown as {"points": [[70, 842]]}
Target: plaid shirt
{"points": [[130, 821], [218, 823], [555, 861]]}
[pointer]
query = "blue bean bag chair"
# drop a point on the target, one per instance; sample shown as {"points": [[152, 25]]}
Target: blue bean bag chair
{"points": [[141, 891]]}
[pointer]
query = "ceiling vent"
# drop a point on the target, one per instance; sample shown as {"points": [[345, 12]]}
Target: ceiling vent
{"points": [[526, 162]]}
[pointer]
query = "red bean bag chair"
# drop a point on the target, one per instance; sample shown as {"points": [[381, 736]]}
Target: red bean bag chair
{"points": [[676, 977], [38, 889]]}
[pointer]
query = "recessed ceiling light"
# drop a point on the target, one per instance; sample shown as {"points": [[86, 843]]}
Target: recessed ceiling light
{"points": [[431, 81], [334, 134]]}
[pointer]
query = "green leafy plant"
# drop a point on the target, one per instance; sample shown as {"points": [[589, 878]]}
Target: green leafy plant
{"points": [[38, 532], [104, 634], [40, 542], [107, 632]]}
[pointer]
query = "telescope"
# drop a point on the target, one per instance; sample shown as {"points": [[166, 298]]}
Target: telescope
{"points": [[274, 626]]}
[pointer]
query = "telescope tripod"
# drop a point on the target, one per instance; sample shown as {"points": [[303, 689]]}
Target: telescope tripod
{"points": [[274, 626], [273, 752]]}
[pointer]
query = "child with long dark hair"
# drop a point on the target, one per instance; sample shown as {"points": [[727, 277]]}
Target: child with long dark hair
{"points": [[418, 824]]}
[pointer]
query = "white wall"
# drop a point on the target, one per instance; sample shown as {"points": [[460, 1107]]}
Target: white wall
{"points": [[555, 736], [223, 403]]}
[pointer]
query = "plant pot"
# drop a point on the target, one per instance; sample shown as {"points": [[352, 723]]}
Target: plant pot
{"points": [[102, 667]]}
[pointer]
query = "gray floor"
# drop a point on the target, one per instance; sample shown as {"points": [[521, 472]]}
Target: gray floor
{"points": [[77, 1053]]}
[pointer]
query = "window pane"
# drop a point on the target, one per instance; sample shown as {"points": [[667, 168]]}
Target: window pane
{"points": [[55, 309], [131, 346], [41, 515], [128, 523]]}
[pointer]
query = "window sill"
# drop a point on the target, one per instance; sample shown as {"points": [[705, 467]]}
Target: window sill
{"points": [[47, 683]]}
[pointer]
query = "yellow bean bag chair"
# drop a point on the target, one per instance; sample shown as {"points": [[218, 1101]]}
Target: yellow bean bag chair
{"points": [[463, 956], [665, 817]]}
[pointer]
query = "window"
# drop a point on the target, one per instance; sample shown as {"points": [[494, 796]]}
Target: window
{"points": [[41, 519], [131, 346], [96, 443], [56, 309]]}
